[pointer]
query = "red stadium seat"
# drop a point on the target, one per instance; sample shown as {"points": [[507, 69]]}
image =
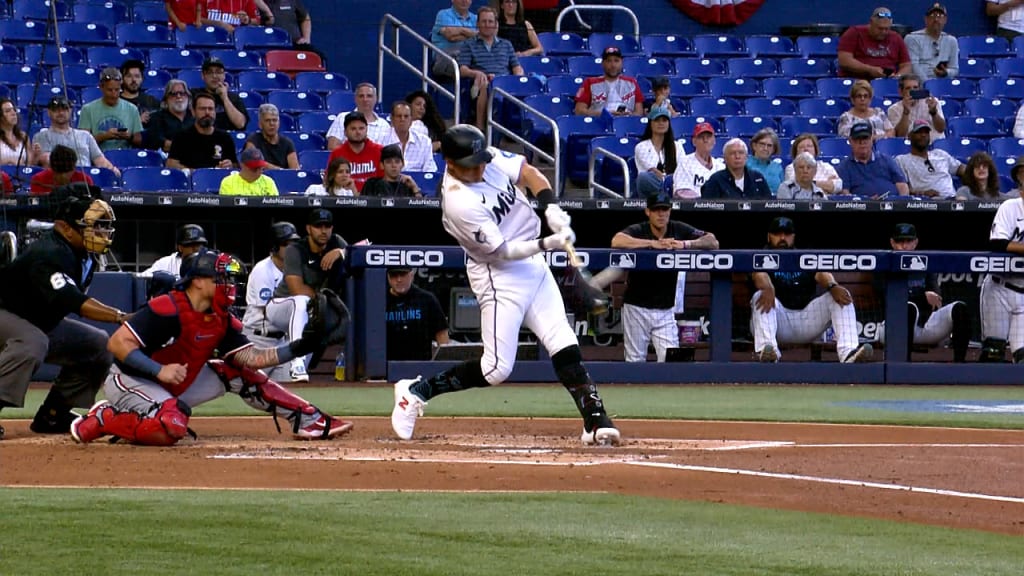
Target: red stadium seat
{"points": [[293, 61]]}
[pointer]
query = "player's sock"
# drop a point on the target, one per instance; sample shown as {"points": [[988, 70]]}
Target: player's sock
{"points": [[911, 325], [568, 364], [462, 377], [961, 331]]}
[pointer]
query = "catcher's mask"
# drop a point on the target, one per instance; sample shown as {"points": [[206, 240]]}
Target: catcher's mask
{"points": [[84, 208], [225, 269]]}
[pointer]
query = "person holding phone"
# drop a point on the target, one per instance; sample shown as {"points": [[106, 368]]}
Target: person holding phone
{"points": [[620, 95], [916, 105], [933, 53], [115, 123], [873, 50]]}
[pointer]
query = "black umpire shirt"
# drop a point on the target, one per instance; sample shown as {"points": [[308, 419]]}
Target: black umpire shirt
{"points": [[412, 321], [46, 282], [299, 260], [651, 288]]}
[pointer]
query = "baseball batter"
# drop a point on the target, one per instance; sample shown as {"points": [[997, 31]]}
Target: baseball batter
{"points": [[263, 280], [784, 308], [489, 215], [1002, 295]]}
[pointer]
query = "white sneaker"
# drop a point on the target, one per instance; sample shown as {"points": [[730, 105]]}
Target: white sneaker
{"points": [[604, 433], [408, 407], [298, 373]]}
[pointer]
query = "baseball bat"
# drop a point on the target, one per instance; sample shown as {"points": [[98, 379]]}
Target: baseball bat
{"points": [[596, 300]]}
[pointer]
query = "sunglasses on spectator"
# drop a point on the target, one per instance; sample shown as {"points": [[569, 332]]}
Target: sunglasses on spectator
{"points": [[928, 164], [178, 94], [883, 15], [107, 77]]}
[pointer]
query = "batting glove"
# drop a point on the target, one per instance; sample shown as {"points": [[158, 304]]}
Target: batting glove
{"points": [[557, 218], [559, 240]]}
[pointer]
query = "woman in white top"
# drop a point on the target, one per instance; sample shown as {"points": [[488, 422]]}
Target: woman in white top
{"points": [[861, 94], [826, 176], [656, 154], [13, 142], [337, 181]]}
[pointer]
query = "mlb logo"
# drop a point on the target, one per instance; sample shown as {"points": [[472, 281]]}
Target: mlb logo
{"points": [[887, 206], [766, 261], [816, 206], [958, 207], [315, 202], [622, 260], [388, 202], [913, 262], [241, 201], [603, 204], [165, 201], [33, 201], [744, 205]]}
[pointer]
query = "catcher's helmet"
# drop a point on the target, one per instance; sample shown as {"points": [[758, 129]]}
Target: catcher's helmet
{"points": [[283, 233], [466, 146], [191, 234], [225, 269]]}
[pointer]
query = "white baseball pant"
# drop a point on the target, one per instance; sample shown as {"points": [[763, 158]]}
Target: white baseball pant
{"points": [[642, 326], [290, 315], [936, 329], [781, 324], [1002, 311]]}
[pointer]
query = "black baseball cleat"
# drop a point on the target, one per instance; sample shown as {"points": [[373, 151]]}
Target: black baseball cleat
{"points": [[54, 416]]}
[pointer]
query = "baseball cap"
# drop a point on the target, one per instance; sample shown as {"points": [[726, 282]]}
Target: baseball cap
{"points": [[212, 62], [1017, 168], [782, 225], [919, 124], [320, 216], [397, 271], [659, 201], [702, 128], [58, 102], [391, 151], [611, 51], [253, 158], [191, 234], [861, 130], [936, 7], [658, 112], [904, 231]]}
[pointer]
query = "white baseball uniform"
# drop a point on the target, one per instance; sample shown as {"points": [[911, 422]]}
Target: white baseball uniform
{"points": [[263, 279], [170, 264], [691, 174], [482, 216], [1002, 295]]}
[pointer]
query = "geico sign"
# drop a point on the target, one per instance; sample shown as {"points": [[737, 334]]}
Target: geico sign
{"points": [[377, 257], [561, 259], [698, 261], [837, 262], [997, 264]]}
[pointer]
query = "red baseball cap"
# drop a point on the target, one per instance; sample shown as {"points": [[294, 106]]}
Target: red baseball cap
{"points": [[702, 128], [253, 158]]}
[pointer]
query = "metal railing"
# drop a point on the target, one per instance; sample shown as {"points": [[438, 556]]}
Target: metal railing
{"points": [[494, 126], [577, 8], [594, 186], [424, 69]]}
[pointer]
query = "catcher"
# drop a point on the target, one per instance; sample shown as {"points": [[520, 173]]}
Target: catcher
{"points": [[153, 385]]}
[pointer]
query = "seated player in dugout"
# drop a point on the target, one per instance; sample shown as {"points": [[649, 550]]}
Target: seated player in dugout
{"points": [[415, 319]]}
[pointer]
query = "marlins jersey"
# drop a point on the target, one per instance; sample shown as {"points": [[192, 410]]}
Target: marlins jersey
{"points": [[482, 216], [1008, 223], [170, 264], [691, 174], [259, 289]]}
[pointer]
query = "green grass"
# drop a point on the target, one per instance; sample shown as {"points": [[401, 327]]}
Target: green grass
{"points": [[112, 532]]}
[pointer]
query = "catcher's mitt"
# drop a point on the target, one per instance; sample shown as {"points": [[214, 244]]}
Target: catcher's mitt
{"points": [[328, 317]]}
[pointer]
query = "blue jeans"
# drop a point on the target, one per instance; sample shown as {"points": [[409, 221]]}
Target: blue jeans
{"points": [[648, 184]]}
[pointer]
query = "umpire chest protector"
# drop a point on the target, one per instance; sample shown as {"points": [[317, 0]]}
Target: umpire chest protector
{"points": [[201, 333]]}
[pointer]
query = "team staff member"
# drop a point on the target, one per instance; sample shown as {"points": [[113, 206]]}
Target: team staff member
{"points": [[38, 290], [414, 318], [648, 305], [1002, 295], [309, 265], [784, 308], [259, 288], [486, 211], [191, 239]]}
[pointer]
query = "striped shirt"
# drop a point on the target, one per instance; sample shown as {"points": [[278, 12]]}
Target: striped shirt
{"points": [[418, 151], [499, 58]]}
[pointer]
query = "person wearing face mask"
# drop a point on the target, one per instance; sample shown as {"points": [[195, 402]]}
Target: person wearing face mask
{"points": [[202, 145], [174, 116]]}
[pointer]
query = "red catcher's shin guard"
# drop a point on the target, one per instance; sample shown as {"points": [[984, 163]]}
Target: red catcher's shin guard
{"points": [[256, 386], [165, 428]]}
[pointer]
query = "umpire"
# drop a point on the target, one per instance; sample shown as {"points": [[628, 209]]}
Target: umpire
{"points": [[37, 290]]}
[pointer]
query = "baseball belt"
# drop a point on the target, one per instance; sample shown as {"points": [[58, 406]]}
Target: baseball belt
{"points": [[1014, 287]]}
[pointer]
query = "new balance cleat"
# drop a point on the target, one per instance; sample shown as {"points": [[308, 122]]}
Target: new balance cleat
{"points": [[85, 429], [324, 428], [408, 407]]}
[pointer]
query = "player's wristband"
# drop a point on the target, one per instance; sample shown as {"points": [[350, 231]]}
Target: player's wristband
{"points": [[137, 360], [545, 197], [832, 285]]}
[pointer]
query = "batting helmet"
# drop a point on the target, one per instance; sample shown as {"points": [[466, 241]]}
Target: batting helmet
{"points": [[283, 233], [191, 234], [466, 146], [83, 207]]}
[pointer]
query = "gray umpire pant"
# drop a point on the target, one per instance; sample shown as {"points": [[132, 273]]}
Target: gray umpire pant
{"points": [[79, 349]]}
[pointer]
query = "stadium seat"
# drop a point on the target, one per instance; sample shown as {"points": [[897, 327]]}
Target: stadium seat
{"points": [[428, 182], [32, 95], [1002, 88], [700, 67], [892, 146], [47, 55], [295, 101], [1007, 67], [204, 38], [239, 139], [668, 46], [648, 67], [834, 147], [194, 77], [629, 126], [830, 107], [715, 106], [817, 46], [682, 127], [103, 177], [836, 88], [952, 88], [287, 122], [746, 126], [752, 67], [21, 176], [157, 79], [886, 88], [564, 86], [507, 113], [543, 65], [976, 68], [314, 159], [22, 32], [255, 81], [688, 87], [255, 37], [734, 87], [134, 158], [789, 88], [315, 122], [292, 62], [628, 45], [980, 127], [92, 93], [153, 179], [250, 99], [81, 75], [1006, 146], [27, 74], [103, 56], [961, 148], [576, 133], [770, 107], [584, 66], [294, 181], [609, 173], [149, 13], [142, 35], [322, 82], [175, 59], [552, 106], [996, 108], [563, 44], [793, 126], [1004, 165], [771, 46], [719, 45], [951, 107], [86, 34], [41, 10], [340, 101], [974, 46], [11, 54], [305, 141], [110, 13], [207, 180], [806, 68]]}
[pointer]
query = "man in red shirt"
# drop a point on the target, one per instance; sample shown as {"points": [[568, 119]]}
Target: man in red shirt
{"points": [[620, 95], [61, 171], [873, 50], [361, 152]]}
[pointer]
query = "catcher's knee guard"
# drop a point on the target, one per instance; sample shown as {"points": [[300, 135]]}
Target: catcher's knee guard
{"points": [[164, 428], [262, 393], [993, 350]]}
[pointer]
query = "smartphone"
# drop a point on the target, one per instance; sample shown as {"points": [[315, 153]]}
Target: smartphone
{"points": [[944, 63], [122, 129], [621, 108], [887, 71], [920, 94]]}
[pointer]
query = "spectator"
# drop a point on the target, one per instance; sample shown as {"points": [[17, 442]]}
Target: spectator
{"points": [[981, 180], [484, 57], [361, 152], [416, 146], [131, 90], [802, 186], [112, 121], [933, 53], [174, 116], [656, 154], [202, 145], [377, 128], [182, 13], [620, 95], [61, 132], [393, 183], [825, 176], [1018, 123], [908, 111], [292, 16], [14, 149], [861, 94], [648, 310], [662, 89], [452, 27], [873, 50], [512, 26], [337, 180], [231, 13], [867, 173], [231, 112], [190, 238], [736, 181], [1017, 175], [250, 179], [1010, 13], [61, 171], [425, 117], [694, 169], [415, 319], [6, 184], [765, 144], [278, 150], [929, 172]]}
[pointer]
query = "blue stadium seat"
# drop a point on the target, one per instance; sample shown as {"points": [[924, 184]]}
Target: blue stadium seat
{"points": [[103, 177], [205, 38], [86, 34], [952, 88], [980, 127], [973, 46], [628, 45], [719, 45], [22, 32], [1006, 146], [103, 56], [837, 88], [286, 122], [238, 60], [207, 180], [563, 44], [41, 10], [294, 181], [149, 13], [306, 141], [752, 67], [576, 133], [315, 122], [11, 54], [700, 67], [976, 68], [314, 159], [47, 55], [951, 107], [892, 146], [683, 126], [39, 96], [886, 88], [543, 65], [295, 101], [1010, 67], [1002, 88], [154, 179], [609, 173], [584, 66], [768, 45], [194, 77], [175, 59], [961, 148], [157, 78], [28, 74], [734, 87], [428, 182], [340, 101], [21, 176], [552, 106], [91, 93], [565, 86], [255, 37], [629, 126], [795, 125], [995, 108], [142, 35], [255, 81], [668, 46], [830, 107], [688, 87], [817, 46], [134, 158], [789, 88], [770, 107], [81, 75], [747, 126], [1006, 183], [648, 67], [110, 13], [250, 99], [806, 68], [507, 113], [322, 82], [834, 147], [715, 106], [1004, 165]]}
